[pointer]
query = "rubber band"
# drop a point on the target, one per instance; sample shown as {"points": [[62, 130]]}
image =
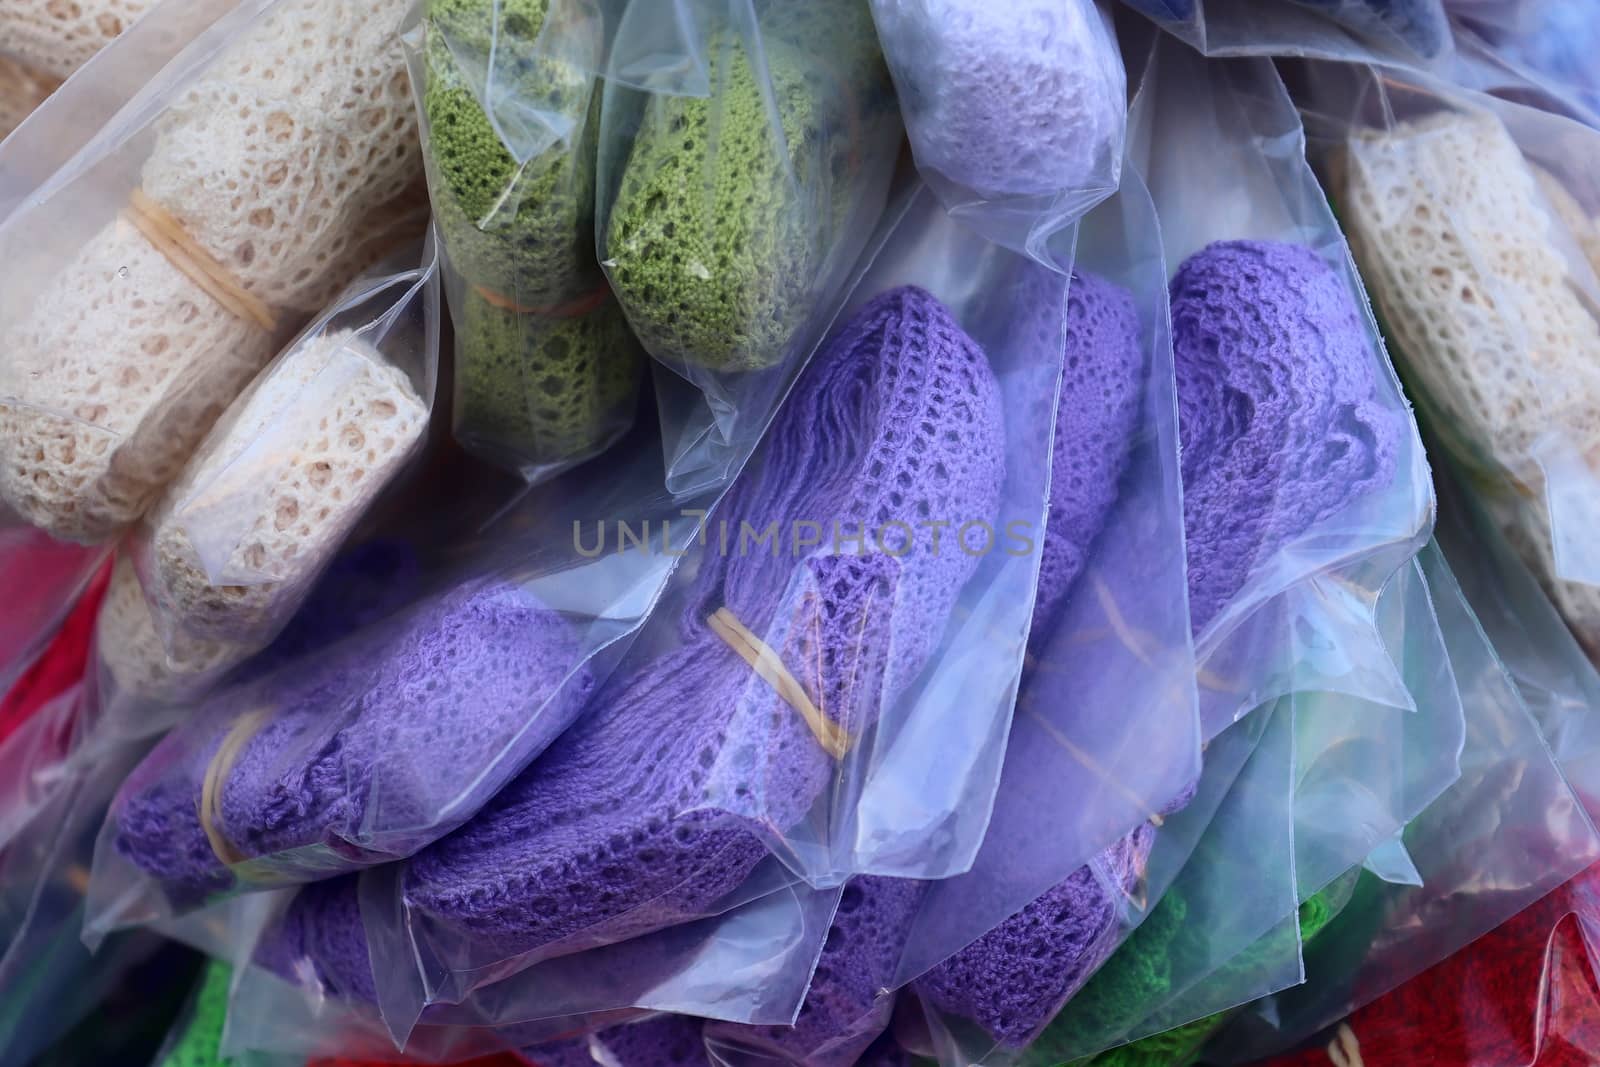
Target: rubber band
{"points": [[244, 728], [183, 252], [833, 738]]}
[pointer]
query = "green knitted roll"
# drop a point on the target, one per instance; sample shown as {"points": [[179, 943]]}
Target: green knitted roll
{"points": [[524, 231], [199, 1042], [1178, 1046], [537, 390], [722, 223]]}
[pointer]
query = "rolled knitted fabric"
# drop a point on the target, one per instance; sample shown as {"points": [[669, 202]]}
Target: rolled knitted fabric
{"points": [[1277, 408], [236, 542], [848, 1005], [1097, 411], [22, 89], [1021, 99], [56, 39], [355, 757], [199, 1043], [1459, 239], [729, 205], [659, 1041], [540, 390], [143, 663], [1013, 979], [649, 810], [547, 370], [271, 171]]}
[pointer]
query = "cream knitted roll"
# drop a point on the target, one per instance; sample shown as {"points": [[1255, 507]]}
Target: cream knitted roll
{"points": [[1463, 254], [275, 161], [268, 498], [57, 37], [141, 664]]}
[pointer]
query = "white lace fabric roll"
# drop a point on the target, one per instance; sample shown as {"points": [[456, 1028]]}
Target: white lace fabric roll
{"points": [[277, 161], [236, 542], [139, 662], [56, 37], [22, 89]]}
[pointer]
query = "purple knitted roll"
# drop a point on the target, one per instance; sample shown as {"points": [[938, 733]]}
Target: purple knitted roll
{"points": [[1013, 979], [319, 942], [1277, 408], [848, 1004], [659, 1041], [1097, 411], [646, 813], [385, 737]]}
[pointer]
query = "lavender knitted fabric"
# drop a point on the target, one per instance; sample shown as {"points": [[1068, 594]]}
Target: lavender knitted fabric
{"points": [[848, 1004], [320, 938], [659, 1041], [1096, 414], [645, 814], [1277, 408], [1013, 979], [387, 735], [1026, 98]]}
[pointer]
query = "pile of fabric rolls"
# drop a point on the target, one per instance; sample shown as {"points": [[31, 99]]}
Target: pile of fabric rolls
{"points": [[672, 533]]}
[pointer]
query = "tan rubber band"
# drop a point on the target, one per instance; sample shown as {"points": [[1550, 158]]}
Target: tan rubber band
{"points": [[169, 238], [573, 308], [833, 738], [216, 773]]}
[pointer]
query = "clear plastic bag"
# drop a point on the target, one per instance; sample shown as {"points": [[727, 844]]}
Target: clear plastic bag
{"points": [[1017, 114], [806, 765], [1409, 31], [1522, 993], [1467, 213], [1505, 834], [42, 578], [42, 44], [1297, 516], [197, 232], [733, 200], [547, 371], [1107, 618]]}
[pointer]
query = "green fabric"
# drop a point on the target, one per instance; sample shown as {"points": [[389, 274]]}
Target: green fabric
{"points": [[198, 1042], [724, 218], [534, 390], [1178, 1046], [522, 230]]}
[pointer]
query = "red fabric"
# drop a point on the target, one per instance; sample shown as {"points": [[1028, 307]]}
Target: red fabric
{"points": [[1523, 995], [61, 666]]}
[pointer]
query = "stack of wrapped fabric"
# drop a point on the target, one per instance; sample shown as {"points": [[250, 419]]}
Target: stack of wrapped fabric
{"points": [[673, 532]]}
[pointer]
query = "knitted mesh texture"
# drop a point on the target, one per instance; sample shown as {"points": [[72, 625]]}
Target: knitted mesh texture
{"points": [[1278, 408], [722, 222], [1097, 412], [21, 90], [1458, 247], [384, 738], [319, 942], [898, 420], [275, 159], [59, 36], [641, 815], [1013, 979], [199, 1042], [524, 230], [278, 485], [849, 1003], [659, 1041], [141, 662], [1019, 99], [537, 389]]}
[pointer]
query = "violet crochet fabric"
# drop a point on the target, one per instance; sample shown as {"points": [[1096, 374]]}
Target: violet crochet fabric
{"points": [[1025, 98], [848, 1004], [320, 936], [659, 1041], [1013, 979], [646, 813], [1097, 412], [1277, 408], [381, 742]]}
